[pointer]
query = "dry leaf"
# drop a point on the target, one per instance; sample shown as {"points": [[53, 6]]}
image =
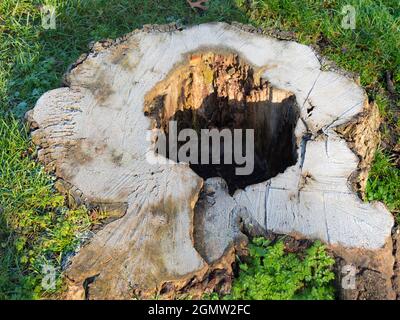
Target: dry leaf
{"points": [[198, 4]]}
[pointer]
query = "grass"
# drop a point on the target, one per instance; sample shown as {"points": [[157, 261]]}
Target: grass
{"points": [[384, 182], [370, 49], [36, 230], [35, 226]]}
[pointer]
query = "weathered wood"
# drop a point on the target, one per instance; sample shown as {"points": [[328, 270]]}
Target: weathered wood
{"points": [[92, 134]]}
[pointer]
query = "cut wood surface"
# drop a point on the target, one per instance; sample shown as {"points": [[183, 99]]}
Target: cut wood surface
{"points": [[177, 228]]}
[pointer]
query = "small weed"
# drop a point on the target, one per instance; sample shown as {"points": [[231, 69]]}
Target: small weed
{"points": [[270, 273]]}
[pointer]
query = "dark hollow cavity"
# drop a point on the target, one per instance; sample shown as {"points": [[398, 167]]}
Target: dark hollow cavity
{"points": [[220, 91]]}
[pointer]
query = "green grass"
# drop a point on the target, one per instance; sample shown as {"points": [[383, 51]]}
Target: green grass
{"points": [[370, 49], [32, 61], [384, 182], [35, 228], [271, 273]]}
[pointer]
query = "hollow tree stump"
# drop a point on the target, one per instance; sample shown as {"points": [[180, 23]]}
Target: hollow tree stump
{"points": [[178, 225]]}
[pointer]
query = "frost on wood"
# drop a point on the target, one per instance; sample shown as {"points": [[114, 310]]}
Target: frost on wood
{"points": [[179, 223]]}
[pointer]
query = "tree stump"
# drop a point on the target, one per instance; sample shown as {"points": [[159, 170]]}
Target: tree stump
{"points": [[178, 225]]}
